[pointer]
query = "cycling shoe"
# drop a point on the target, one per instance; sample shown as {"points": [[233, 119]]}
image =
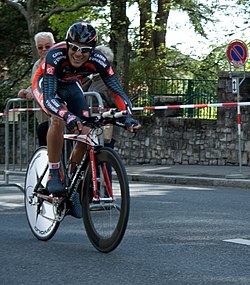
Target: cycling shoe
{"points": [[76, 209], [54, 183]]}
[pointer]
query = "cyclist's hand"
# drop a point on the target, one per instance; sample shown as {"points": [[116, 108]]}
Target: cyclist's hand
{"points": [[132, 124], [73, 123]]}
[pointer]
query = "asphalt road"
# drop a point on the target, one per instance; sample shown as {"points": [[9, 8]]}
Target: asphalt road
{"points": [[176, 235]]}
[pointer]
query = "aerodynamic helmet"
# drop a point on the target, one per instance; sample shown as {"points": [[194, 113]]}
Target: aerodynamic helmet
{"points": [[82, 32]]}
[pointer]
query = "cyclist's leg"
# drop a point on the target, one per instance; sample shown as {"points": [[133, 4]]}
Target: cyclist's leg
{"points": [[55, 145], [76, 104], [74, 96], [55, 139]]}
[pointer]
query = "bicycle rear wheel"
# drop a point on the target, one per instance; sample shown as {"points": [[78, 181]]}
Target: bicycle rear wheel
{"points": [[40, 214], [106, 220]]}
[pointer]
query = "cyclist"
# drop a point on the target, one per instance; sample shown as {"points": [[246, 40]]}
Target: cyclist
{"points": [[57, 88]]}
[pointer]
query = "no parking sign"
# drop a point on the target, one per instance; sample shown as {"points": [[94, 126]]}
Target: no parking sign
{"points": [[237, 53]]}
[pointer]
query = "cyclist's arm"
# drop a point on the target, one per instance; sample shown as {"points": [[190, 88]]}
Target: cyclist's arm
{"points": [[115, 89], [122, 102], [50, 102], [99, 64]]}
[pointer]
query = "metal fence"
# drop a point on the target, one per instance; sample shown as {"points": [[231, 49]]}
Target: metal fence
{"points": [[20, 119], [20, 138], [185, 91]]}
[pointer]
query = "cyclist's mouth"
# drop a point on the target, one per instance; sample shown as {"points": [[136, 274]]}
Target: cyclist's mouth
{"points": [[78, 59]]}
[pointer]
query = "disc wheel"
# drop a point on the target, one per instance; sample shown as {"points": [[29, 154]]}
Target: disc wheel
{"points": [[40, 214], [106, 219]]}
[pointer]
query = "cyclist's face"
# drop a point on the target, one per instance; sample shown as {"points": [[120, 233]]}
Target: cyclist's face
{"points": [[78, 54]]}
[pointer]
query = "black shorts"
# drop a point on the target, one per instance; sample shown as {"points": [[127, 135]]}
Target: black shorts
{"points": [[73, 95], [70, 93]]}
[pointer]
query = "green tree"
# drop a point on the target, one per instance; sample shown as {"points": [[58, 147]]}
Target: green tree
{"points": [[28, 18], [151, 55], [37, 13], [119, 40], [153, 26], [146, 53]]}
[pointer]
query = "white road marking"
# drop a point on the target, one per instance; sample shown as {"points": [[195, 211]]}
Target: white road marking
{"points": [[239, 241], [10, 205], [11, 200]]}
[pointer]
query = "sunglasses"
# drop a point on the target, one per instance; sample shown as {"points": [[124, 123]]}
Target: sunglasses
{"points": [[46, 47], [76, 48]]}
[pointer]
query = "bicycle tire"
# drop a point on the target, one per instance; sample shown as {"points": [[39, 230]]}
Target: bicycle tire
{"points": [[106, 222], [40, 216]]}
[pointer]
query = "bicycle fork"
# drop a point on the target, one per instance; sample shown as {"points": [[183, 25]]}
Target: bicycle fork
{"points": [[96, 191]]}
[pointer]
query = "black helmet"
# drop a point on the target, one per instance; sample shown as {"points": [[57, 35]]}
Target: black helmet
{"points": [[83, 33]]}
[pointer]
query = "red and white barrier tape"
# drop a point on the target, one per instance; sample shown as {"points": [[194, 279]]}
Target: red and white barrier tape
{"points": [[19, 110], [192, 106], [187, 106]]}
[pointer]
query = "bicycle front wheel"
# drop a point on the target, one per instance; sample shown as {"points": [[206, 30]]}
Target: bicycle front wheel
{"points": [[106, 218], [40, 214]]}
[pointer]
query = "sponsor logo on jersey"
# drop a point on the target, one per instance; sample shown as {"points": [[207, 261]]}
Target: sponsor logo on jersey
{"points": [[85, 113], [110, 71], [55, 61], [50, 106], [50, 69], [61, 113], [54, 55], [101, 57], [53, 101], [99, 61], [72, 77]]}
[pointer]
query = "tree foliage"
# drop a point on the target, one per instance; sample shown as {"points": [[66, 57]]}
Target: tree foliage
{"points": [[146, 55], [27, 18], [15, 52], [60, 22], [37, 13]]}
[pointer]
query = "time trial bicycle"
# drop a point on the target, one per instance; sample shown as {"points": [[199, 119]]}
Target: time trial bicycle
{"points": [[100, 180]]}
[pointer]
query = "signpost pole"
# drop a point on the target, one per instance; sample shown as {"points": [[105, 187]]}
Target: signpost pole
{"points": [[239, 135], [237, 56]]}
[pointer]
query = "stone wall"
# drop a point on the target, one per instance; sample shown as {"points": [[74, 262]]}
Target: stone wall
{"points": [[171, 140]]}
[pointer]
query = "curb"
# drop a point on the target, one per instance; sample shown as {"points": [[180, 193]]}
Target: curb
{"points": [[190, 180]]}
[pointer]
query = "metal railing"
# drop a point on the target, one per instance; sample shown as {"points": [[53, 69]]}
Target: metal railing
{"points": [[20, 138], [185, 91]]}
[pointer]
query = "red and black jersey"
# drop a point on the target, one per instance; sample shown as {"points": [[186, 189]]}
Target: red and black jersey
{"points": [[56, 68]]}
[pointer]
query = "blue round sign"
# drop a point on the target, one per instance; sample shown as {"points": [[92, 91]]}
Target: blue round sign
{"points": [[237, 53]]}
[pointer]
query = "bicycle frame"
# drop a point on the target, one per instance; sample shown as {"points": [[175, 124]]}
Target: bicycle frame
{"points": [[92, 141]]}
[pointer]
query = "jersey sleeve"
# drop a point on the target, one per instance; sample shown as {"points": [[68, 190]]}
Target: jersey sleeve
{"points": [[116, 91], [103, 67], [50, 88]]}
